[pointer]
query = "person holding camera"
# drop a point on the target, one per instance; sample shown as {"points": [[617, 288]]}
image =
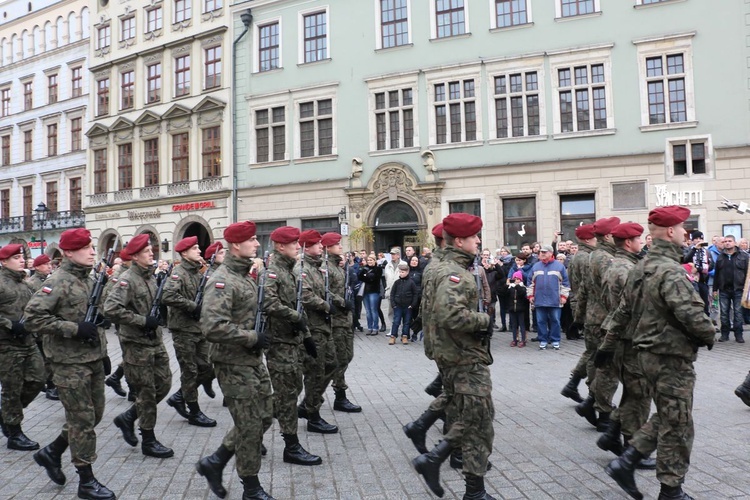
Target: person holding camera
{"points": [[700, 257]]}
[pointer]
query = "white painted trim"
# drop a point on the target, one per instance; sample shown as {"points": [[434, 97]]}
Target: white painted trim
{"points": [[384, 85], [473, 71], [493, 17], [315, 93], [668, 158], [256, 35], [301, 33], [433, 21], [379, 31], [267, 102], [558, 10]]}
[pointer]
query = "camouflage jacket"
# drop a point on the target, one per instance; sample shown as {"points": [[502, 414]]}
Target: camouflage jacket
{"points": [[336, 286], [428, 323], [35, 282], [577, 269], [57, 308], [130, 301], [14, 294], [280, 301], [453, 306], [615, 280], [228, 315], [590, 295], [179, 295], [313, 294]]}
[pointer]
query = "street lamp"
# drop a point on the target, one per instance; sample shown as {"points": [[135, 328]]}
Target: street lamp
{"points": [[41, 213]]}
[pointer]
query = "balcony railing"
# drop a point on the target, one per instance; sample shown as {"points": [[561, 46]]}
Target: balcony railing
{"points": [[161, 191], [65, 219]]}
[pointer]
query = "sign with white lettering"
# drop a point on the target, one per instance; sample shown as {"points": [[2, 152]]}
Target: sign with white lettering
{"points": [[665, 197]]}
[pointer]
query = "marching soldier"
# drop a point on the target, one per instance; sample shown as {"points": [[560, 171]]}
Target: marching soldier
{"points": [[190, 344], [42, 268], [21, 364], [671, 326], [146, 361], [461, 351], [114, 380], [77, 351], [218, 249], [228, 320]]}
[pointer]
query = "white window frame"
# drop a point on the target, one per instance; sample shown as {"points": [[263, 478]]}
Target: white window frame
{"points": [[493, 17], [433, 22], [379, 28], [268, 103], [256, 56], [188, 11], [559, 16], [99, 29], [569, 58], [641, 4], [301, 30], [122, 30], [445, 76], [385, 84], [660, 46], [314, 94], [147, 11], [688, 140]]}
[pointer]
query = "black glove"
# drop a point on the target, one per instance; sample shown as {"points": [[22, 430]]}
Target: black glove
{"points": [[107, 365], [87, 332], [309, 344], [603, 358], [152, 322], [578, 326], [196, 314], [332, 309], [17, 329], [101, 321], [710, 346], [301, 323], [264, 341]]}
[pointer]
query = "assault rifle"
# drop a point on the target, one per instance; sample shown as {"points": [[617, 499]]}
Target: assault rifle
{"points": [[348, 293], [156, 304], [478, 280], [327, 281], [260, 317], [204, 279], [299, 281], [96, 292]]}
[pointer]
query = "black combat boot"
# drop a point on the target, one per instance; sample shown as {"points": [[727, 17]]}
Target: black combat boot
{"points": [[89, 488], [212, 467], [571, 389], [51, 391], [263, 450], [428, 465], [315, 423], [622, 470], [457, 460], [198, 418], [17, 440], [673, 493], [301, 411], [253, 490], [645, 463], [743, 391], [294, 453], [435, 388], [126, 423], [132, 394], [602, 423], [3, 427], [341, 403], [50, 456], [114, 381], [586, 409], [610, 440], [417, 430], [177, 402], [475, 488], [153, 448]]}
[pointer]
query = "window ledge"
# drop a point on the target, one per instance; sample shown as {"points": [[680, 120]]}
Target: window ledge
{"points": [[689, 177], [511, 140], [658, 4], [395, 47], [585, 133], [456, 145], [452, 37], [386, 152], [315, 159], [314, 63], [512, 28], [629, 209], [579, 16], [668, 126], [266, 164], [269, 71]]}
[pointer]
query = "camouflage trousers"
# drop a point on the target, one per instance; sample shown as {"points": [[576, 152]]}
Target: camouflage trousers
{"points": [[604, 387], [247, 390], [319, 371], [585, 368], [285, 368], [195, 368], [468, 390], [669, 430], [343, 338], [147, 372], [47, 365], [439, 403], [81, 389], [635, 403], [21, 379]]}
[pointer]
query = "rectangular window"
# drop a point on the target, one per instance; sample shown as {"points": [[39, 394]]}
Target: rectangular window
{"points": [[125, 166], [511, 13], [268, 51], [127, 89], [6, 150], [183, 10], [181, 157], [689, 157], [52, 139], [211, 152], [100, 171], [665, 79], [394, 119], [151, 162], [570, 8], [153, 20], [575, 209], [519, 222], [76, 132], [5, 102], [28, 203], [316, 128], [394, 23], [127, 28], [467, 207], [52, 88], [211, 5], [582, 96], [517, 104], [28, 145], [264, 230], [52, 196], [5, 203], [455, 112], [102, 97], [28, 96], [182, 76], [77, 81], [103, 37], [316, 37], [450, 18], [74, 196], [213, 67], [153, 82], [629, 195], [270, 134]]}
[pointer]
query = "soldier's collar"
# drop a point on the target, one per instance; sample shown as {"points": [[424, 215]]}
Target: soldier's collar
{"points": [[284, 260], [463, 258], [145, 272], [311, 259], [632, 257], [190, 265], [76, 269], [666, 248], [239, 265], [16, 275]]}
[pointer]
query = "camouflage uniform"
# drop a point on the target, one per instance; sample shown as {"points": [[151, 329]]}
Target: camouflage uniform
{"points": [[190, 344], [429, 326], [228, 319], [670, 328], [36, 282], [55, 312], [341, 322], [21, 365], [577, 270], [463, 358], [146, 360]]}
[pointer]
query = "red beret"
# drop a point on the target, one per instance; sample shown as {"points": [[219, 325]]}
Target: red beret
{"points": [[585, 232], [329, 239], [74, 239], [627, 230], [668, 216], [186, 244], [285, 234], [137, 244], [605, 226], [437, 231], [9, 251], [125, 256], [239, 231], [41, 260], [212, 249], [310, 237], [461, 225]]}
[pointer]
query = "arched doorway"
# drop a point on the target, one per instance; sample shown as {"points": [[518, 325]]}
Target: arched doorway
{"points": [[199, 230], [395, 225]]}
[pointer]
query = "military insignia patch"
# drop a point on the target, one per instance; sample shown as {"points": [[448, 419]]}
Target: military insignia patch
{"points": [[272, 275], [455, 279], [46, 289], [304, 275], [124, 284], [219, 285], [175, 277]]}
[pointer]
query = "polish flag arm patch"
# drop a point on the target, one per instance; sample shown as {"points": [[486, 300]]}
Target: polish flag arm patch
{"points": [[46, 289], [455, 279], [271, 275], [175, 277], [123, 283], [220, 286]]}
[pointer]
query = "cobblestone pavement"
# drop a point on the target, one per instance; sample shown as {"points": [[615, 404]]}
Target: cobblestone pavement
{"points": [[542, 448]]}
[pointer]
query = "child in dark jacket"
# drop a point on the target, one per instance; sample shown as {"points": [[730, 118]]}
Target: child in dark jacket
{"points": [[518, 306], [404, 300]]}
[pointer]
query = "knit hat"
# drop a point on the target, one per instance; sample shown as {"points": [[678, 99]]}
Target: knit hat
{"points": [[518, 275]]}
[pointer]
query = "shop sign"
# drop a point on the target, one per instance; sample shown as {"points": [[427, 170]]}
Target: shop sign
{"points": [[199, 205], [111, 215], [665, 197], [133, 215]]}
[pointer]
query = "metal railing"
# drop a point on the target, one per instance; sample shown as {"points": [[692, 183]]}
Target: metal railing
{"points": [[161, 191], [64, 219]]}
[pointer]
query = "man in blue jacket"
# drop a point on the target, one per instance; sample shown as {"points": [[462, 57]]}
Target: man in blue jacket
{"points": [[548, 290]]}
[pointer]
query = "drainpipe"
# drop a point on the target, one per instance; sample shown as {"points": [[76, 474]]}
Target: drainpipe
{"points": [[247, 19]]}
